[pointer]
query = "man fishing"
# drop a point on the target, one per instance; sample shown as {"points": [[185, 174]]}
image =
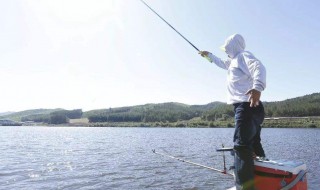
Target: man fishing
{"points": [[246, 80]]}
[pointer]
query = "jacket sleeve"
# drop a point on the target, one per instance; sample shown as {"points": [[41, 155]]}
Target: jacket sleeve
{"points": [[224, 64], [257, 72]]}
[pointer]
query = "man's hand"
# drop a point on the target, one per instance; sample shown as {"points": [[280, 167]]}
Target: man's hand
{"points": [[204, 53], [254, 97]]}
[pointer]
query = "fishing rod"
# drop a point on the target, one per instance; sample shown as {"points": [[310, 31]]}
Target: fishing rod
{"points": [[193, 163], [224, 159], [170, 26]]}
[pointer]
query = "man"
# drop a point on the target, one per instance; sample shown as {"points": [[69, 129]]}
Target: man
{"points": [[246, 80]]}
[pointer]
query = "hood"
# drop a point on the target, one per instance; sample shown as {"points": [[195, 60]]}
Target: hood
{"points": [[234, 45]]}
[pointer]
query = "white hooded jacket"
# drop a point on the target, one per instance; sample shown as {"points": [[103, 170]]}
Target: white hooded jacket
{"points": [[245, 72]]}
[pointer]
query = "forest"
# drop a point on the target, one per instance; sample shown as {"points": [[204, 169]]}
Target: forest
{"points": [[304, 106], [177, 114]]}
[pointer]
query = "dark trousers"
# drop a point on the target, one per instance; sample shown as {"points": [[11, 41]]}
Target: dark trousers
{"points": [[247, 141]]}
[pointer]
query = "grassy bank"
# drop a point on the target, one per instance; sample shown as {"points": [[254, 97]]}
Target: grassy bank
{"points": [[293, 122], [194, 123]]}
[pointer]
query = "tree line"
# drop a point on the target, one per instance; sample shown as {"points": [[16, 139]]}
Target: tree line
{"points": [[308, 105], [55, 117], [167, 112]]}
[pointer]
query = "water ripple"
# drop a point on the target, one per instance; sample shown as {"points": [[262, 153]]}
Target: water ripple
{"points": [[121, 158]]}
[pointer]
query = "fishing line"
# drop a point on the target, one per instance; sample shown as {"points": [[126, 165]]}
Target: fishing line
{"points": [[193, 163]]}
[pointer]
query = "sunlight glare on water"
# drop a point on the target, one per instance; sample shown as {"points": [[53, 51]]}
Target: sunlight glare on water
{"points": [[121, 158]]}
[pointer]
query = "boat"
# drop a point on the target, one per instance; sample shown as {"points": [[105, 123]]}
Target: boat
{"points": [[277, 174], [268, 174], [280, 175]]}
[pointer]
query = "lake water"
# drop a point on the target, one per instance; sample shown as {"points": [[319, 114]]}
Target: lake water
{"points": [[121, 158]]}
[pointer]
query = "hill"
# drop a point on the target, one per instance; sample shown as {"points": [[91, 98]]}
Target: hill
{"points": [[6, 113], [50, 116], [173, 113], [164, 112], [16, 116], [308, 105]]}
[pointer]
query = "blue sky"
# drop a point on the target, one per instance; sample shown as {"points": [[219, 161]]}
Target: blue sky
{"points": [[110, 53]]}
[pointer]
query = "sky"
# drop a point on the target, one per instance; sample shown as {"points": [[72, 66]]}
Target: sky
{"points": [[96, 54]]}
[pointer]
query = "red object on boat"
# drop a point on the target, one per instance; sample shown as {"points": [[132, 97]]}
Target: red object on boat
{"points": [[280, 174]]}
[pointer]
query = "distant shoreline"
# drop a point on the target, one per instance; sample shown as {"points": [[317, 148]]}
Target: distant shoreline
{"points": [[300, 112], [270, 122]]}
